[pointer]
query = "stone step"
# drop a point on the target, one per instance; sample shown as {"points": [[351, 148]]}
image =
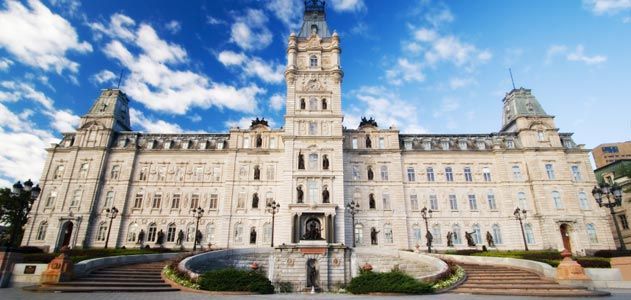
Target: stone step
{"points": [[499, 273], [533, 292], [509, 281], [125, 273], [135, 269], [87, 289], [117, 279], [143, 277], [500, 277], [502, 286], [110, 284]]}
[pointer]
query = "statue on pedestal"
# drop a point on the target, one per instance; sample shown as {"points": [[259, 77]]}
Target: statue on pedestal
{"points": [[450, 239], [469, 237], [325, 162], [313, 230], [312, 273], [325, 195], [300, 194], [180, 237], [373, 236], [301, 161], [141, 237], [489, 239], [160, 239], [253, 236]]}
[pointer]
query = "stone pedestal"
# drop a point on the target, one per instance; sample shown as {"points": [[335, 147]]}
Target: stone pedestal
{"points": [[569, 269], [7, 261], [59, 269], [624, 265]]}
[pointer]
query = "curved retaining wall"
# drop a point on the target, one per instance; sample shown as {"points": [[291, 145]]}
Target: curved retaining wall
{"points": [[420, 266], [540, 268], [238, 258], [84, 267]]}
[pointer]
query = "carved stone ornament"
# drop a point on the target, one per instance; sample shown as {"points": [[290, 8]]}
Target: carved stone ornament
{"points": [[313, 85]]}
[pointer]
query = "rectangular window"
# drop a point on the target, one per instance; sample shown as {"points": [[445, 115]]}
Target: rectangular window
{"points": [[246, 142], [386, 201], [175, 202], [576, 173], [411, 174], [550, 171], [467, 174], [138, 200], [52, 197], [312, 186], [199, 173], [313, 127], [76, 198], [272, 143], [430, 174], [510, 144], [384, 173], [83, 172], [194, 201], [109, 199], [157, 199], [433, 202], [449, 174], [582, 200], [270, 173], [487, 174], [414, 202], [492, 204], [116, 169], [473, 203], [354, 143], [517, 173], [214, 198], [217, 174], [382, 143], [453, 202], [623, 221], [241, 200], [556, 198], [143, 174], [356, 175], [59, 172], [162, 174]]}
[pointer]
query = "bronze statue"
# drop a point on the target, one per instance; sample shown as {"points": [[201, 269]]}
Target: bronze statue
{"points": [[180, 237], [313, 230], [429, 238], [255, 200], [371, 201], [325, 162], [312, 273], [198, 237], [373, 236], [301, 161], [450, 241], [259, 142], [489, 239], [371, 174], [253, 236], [368, 142], [325, 195], [301, 194], [257, 173], [141, 237], [469, 237], [160, 239]]}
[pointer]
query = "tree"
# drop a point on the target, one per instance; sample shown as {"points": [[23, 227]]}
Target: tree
{"points": [[15, 205]]}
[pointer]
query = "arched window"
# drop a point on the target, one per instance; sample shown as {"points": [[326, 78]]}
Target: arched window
{"points": [[109, 199], [387, 234], [359, 234], [210, 233], [456, 234], [153, 230], [171, 232], [314, 29], [386, 200], [313, 60], [303, 104], [101, 232], [437, 235], [325, 105], [521, 200], [371, 201], [313, 103], [477, 236], [591, 233], [497, 234], [41, 231], [530, 235], [132, 232]]}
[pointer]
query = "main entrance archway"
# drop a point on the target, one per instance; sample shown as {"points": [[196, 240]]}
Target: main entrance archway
{"points": [[65, 235], [565, 236]]}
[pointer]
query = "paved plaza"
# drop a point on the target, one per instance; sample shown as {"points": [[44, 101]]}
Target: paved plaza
{"points": [[19, 294]]}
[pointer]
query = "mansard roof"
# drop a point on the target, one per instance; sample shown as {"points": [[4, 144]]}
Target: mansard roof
{"points": [[314, 18]]}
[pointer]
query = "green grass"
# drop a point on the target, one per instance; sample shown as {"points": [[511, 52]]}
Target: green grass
{"points": [[77, 255], [236, 280]]}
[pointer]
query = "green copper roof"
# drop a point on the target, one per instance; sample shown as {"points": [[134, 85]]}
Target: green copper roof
{"points": [[521, 103], [314, 20]]}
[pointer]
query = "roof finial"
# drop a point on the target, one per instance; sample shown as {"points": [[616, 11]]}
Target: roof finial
{"points": [[511, 77], [120, 77]]}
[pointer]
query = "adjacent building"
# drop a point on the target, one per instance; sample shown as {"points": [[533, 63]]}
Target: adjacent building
{"points": [[611, 152], [619, 172], [313, 167]]}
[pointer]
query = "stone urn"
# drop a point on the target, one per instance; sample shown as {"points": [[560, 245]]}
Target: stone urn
{"points": [[254, 266], [366, 267]]}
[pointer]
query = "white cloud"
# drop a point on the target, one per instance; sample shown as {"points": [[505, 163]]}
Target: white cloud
{"points": [[214, 21], [578, 55], [250, 31], [450, 49], [39, 38], [425, 35], [386, 107], [104, 76], [5, 63], [253, 66], [137, 118], [348, 5], [277, 102], [405, 71], [173, 26], [157, 77], [70, 7], [195, 118], [439, 16], [287, 11], [457, 82], [63, 120], [600, 7], [447, 105]]}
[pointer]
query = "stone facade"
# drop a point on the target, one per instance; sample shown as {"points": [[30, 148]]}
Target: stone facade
{"points": [[472, 182], [605, 154], [619, 172]]}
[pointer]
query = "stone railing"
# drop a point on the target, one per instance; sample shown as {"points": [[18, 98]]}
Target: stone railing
{"points": [[83, 268], [239, 258]]}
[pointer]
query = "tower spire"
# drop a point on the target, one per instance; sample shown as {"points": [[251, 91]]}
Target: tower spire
{"points": [[314, 20]]}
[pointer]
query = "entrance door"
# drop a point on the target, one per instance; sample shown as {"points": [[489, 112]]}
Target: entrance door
{"points": [[565, 235], [66, 234]]}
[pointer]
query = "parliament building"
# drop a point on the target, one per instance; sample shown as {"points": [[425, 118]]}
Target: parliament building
{"points": [[313, 168]]}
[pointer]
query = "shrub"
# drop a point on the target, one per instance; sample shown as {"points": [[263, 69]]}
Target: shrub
{"points": [[285, 287], [389, 282], [236, 280], [594, 262], [612, 253]]}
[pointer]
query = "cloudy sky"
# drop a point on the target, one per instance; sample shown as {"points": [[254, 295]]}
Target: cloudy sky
{"points": [[425, 66]]}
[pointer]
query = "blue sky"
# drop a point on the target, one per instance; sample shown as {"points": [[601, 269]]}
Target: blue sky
{"points": [[423, 66]]}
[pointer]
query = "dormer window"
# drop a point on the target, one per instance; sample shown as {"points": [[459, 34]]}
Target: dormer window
{"points": [[313, 61], [541, 136], [314, 29]]}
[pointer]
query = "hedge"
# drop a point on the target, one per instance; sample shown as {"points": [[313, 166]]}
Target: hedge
{"points": [[389, 282], [236, 280]]}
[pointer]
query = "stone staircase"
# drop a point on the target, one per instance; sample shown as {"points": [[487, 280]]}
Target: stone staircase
{"points": [[496, 280], [126, 278]]}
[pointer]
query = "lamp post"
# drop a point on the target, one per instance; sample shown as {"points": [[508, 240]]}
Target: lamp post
{"points": [[353, 209], [197, 213], [427, 214], [273, 208], [520, 214], [111, 214], [610, 191], [15, 211]]}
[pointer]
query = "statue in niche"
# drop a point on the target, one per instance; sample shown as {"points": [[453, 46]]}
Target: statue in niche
{"points": [[325, 162], [300, 194], [301, 161], [430, 238], [373, 236], [255, 200], [313, 230], [257, 173], [371, 201], [371, 174], [141, 237], [180, 237], [325, 195], [489, 239], [469, 237], [259, 141], [368, 141], [303, 104], [160, 238], [312, 273], [253, 236], [450, 239]]}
